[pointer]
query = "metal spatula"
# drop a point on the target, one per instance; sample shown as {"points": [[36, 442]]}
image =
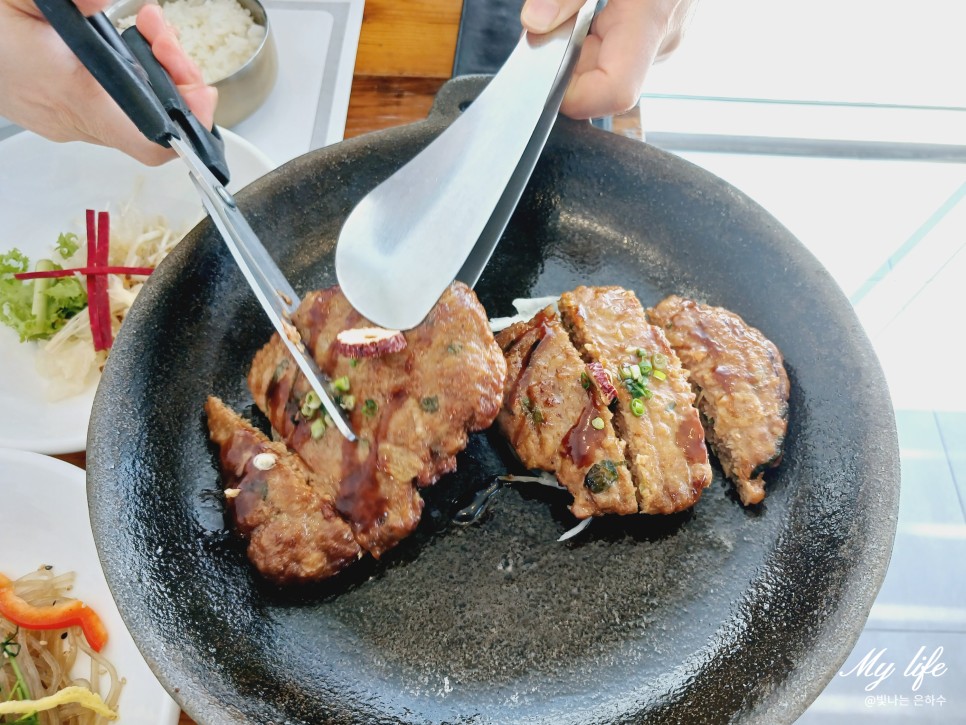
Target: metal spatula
{"points": [[441, 215]]}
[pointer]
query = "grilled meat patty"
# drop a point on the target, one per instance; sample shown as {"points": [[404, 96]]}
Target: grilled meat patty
{"points": [[550, 405], [412, 410], [293, 531], [655, 405], [743, 387]]}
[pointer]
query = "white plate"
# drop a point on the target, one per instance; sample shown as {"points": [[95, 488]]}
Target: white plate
{"points": [[45, 189], [45, 521]]}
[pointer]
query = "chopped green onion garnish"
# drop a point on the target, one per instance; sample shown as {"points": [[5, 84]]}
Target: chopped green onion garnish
{"points": [[636, 388], [353, 362], [317, 428], [369, 407], [341, 384], [430, 404], [660, 375], [641, 353], [637, 407], [659, 360], [635, 371], [624, 372], [310, 404], [598, 423], [585, 381], [348, 402], [645, 366], [533, 410]]}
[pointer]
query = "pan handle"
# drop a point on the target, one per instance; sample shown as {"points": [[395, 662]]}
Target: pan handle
{"points": [[456, 96]]}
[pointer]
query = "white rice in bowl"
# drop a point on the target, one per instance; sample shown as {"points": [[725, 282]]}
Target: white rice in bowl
{"points": [[219, 35]]}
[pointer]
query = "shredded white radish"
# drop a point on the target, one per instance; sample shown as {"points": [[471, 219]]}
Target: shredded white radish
{"points": [[571, 533], [544, 479], [526, 308], [68, 360]]}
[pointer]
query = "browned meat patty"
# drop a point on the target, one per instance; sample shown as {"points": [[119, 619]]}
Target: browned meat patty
{"points": [[293, 531], [743, 387], [655, 414], [550, 404], [382, 508], [412, 410]]}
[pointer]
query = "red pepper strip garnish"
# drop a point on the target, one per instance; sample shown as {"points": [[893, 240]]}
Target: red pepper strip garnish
{"points": [[87, 271], [57, 616], [93, 310], [100, 260]]}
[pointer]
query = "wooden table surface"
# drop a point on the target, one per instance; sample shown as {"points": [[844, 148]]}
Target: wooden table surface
{"points": [[406, 52]]}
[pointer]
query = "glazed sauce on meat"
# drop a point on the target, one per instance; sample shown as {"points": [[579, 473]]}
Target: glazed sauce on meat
{"points": [[698, 330], [317, 317], [238, 460], [690, 439], [360, 499], [279, 396], [523, 381], [583, 439], [727, 376]]}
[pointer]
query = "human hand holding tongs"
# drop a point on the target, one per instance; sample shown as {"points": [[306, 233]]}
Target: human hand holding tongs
{"points": [[125, 66]]}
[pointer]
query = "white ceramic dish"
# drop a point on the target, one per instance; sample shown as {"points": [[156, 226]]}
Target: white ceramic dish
{"points": [[46, 522], [45, 189]]}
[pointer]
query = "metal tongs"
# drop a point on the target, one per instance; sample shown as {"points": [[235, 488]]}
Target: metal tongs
{"points": [[127, 69], [441, 215]]}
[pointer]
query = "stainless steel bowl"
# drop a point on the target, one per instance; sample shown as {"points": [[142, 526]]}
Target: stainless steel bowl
{"points": [[241, 93]]}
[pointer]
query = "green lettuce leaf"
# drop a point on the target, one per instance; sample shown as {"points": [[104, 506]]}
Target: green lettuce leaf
{"points": [[62, 298], [16, 297], [67, 244]]}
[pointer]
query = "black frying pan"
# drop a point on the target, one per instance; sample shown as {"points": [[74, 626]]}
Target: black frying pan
{"points": [[719, 614]]}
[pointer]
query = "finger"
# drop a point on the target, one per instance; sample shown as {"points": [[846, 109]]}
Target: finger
{"points": [[57, 97], [115, 129], [201, 98], [167, 49], [103, 122], [621, 50], [542, 16], [587, 60]]}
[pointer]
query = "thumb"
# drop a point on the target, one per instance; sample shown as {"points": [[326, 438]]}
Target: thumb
{"points": [[542, 16]]}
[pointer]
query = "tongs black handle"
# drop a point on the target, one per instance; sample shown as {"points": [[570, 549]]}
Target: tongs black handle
{"points": [[126, 68]]}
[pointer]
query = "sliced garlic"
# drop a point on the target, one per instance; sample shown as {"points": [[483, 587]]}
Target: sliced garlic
{"points": [[264, 461]]}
